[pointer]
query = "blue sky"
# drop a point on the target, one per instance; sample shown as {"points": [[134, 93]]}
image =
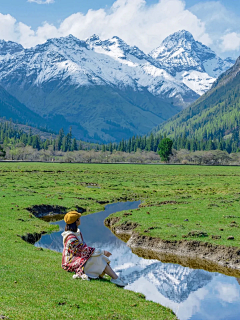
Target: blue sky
{"points": [[215, 23], [34, 14]]}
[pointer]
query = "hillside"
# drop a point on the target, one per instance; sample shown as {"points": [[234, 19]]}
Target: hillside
{"points": [[214, 116], [11, 108], [23, 117], [17, 127]]}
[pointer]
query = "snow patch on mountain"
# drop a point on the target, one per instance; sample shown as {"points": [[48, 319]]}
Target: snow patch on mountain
{"points": [[198, 81]]}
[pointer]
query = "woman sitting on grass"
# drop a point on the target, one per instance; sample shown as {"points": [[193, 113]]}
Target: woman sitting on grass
{"points": [[81, 259]]}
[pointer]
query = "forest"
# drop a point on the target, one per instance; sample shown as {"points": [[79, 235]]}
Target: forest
{"points": [[12, 137]]}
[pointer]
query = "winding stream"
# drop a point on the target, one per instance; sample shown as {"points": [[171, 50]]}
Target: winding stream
{"points": [[191, 294]]}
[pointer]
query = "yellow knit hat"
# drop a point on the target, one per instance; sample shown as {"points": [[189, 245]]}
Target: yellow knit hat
{"points": [[71, 217]]}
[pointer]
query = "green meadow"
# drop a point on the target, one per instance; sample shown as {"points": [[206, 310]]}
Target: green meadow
{"points": [[178, 201]]}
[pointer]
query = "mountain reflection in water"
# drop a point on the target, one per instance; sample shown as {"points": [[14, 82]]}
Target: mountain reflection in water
{"points": [[191, 294]]}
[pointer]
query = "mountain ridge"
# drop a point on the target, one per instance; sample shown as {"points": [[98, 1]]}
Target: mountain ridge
{"points": [[90, 82]]}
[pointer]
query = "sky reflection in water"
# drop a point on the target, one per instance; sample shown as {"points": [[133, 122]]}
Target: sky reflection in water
{"points": [[191, 294]]}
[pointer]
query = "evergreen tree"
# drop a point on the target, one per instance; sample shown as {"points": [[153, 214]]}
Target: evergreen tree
{"points": [[74, 146], [2, 152], [60, 139], [165, 149], [68, 142], [29, 142], [64, 144], [111, 147], [103, 148]]}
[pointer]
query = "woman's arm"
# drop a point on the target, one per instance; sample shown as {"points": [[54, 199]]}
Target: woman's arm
{"points": [[98, 252]]}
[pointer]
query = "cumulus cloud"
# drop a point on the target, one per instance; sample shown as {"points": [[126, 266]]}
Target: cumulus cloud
{"points": [[231, 41], [132, 20], [42, 1], [136, 23], [228, 292]]}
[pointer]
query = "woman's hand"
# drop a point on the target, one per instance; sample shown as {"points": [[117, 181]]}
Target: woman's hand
{"points": [[107, 254]]}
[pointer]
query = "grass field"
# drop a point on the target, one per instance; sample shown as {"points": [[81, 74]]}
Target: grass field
{"points": [[178, 201]]}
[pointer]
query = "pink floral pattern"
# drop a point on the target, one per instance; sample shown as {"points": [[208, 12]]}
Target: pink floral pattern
{"points": [[75, 254]]}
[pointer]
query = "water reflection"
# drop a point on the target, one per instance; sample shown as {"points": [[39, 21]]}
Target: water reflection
{"points": [[191, 294]]}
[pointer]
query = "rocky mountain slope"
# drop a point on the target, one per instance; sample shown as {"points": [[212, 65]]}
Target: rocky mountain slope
{"points": [[108, 90]]}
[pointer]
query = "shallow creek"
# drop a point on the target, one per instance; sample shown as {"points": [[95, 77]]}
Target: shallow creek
{"points": [[190, 293]]}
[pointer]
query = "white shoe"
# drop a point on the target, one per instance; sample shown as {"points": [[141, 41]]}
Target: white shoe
{"points": [[119, 282]]}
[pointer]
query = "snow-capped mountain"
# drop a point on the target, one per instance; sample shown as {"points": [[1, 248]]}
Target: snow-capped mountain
{"points": [[141, 70], [173, 281], [109, 96], [95, 62], [190, 62], [108, 88]]}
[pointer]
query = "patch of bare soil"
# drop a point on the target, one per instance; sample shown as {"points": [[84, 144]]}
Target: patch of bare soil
{"points": [[47, 213], [32, 237], [194, 254], [158, 204], [124, 231]]}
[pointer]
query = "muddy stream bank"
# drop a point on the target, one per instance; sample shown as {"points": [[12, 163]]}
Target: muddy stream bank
{"points": [[191, 293]]}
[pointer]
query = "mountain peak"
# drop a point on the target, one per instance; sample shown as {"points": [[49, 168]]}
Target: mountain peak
{"points": [[70, 37], [68, 42], [182, 38], [117, 38], [94, 37], [180, 52], [9, 47], [180, 35]]}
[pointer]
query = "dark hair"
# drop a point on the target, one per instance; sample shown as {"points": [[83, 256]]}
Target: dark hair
{"points": [[71, 227]]}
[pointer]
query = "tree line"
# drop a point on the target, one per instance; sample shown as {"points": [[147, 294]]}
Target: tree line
{"points": [[151, 143], [11, 137]]}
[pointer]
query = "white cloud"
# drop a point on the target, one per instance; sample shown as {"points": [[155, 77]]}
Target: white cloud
{"points": [[7, 27], [138, 24], [231, 41], [228, 292], [132, 20], [42, 1]]}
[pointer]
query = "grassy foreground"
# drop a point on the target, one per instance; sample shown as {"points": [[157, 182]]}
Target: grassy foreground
{"points": [[33, 285]]}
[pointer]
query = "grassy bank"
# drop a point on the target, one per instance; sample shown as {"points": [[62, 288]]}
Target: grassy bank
{"points": [[177, 201], [33, 285]]}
